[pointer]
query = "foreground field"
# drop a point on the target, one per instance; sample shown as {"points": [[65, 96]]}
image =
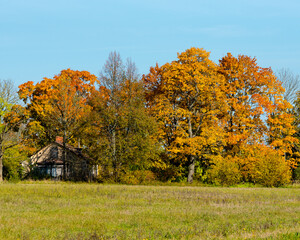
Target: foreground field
{"points": [[91, 211]]}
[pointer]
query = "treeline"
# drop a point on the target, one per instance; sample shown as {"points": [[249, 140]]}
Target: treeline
{"points": [[191, 119]]}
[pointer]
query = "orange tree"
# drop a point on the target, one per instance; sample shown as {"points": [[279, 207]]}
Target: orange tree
{"points": [[187, 98], [57, 106], [256, 109]]}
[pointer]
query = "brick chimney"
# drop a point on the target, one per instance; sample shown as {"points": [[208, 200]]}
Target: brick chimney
{"points": [[59, 140]]}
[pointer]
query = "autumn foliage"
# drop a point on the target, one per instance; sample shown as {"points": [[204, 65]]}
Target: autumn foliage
{"points": [[258, 164], [224, 122], [213, 114], [186, 97]]}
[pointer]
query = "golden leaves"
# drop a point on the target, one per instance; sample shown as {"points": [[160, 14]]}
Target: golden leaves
{"points": [[185, 96], [202, 107]]}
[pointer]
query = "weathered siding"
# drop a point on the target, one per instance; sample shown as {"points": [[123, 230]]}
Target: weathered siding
{"points": [[49, 161]]}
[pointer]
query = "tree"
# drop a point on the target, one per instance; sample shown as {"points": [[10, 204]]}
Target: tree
{"points": [[253, 94], [258, 114], [281, 129], [111, 78], [121, 130], [11, 117], [58, 106], [187, 98], [140, 128]]}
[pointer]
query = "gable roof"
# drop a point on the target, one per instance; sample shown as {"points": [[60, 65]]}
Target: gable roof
{"points": [[76, 151], [36, 158]]}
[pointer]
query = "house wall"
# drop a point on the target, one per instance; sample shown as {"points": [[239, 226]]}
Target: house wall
{"points": [[54, 171], [77, 168]]}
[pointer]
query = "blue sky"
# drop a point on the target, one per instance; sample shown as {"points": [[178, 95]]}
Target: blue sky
{"points": [[39, 38]]}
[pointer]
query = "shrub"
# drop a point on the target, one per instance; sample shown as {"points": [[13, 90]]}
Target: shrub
{"points": [[12, 158], [296, 174], [137, 177], [271, 171], [265, 166], [224, 171]]}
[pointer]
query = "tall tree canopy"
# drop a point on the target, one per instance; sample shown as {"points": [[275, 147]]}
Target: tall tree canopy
{"points": [[57, 105], [257, 110], [252, 94], [187, 98], [206, 109], [121, 132]]}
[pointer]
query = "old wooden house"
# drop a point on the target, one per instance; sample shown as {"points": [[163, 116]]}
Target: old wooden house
{"points": [[49, 161]]}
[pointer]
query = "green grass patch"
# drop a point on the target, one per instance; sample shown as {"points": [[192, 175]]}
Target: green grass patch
{"points": [[49, 210]]}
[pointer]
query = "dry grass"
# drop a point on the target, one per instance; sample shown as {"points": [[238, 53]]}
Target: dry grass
{"points": [[92, 211]]}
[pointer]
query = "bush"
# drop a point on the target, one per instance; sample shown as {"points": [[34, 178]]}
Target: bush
{"points": [[258, 164], [263, 165], [271, 170], [12, 158], [224, 171], [137, 177]]}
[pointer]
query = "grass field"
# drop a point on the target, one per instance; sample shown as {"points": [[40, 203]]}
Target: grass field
{"points": [[48, 210]]}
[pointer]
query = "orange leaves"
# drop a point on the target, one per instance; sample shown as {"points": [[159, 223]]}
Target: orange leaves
{"points": [[26, 91], [80, 81], [253, 94], [58, 104], [257, 108], [152, 83], [195, 55]]}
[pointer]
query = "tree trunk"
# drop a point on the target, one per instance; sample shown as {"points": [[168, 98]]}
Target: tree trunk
{"points": [[114, 153], [191, 169], [191, 157], [1, 169], [64, 157]]}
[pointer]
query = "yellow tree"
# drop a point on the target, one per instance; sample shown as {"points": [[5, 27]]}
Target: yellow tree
{"points": [[282, 129], [187, 98]]}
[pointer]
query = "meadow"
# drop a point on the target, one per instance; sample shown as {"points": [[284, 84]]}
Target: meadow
{"points": [[52, 210]]}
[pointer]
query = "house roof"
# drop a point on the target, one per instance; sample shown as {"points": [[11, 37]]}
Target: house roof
{"points": [[77, 151], [57, 161]]}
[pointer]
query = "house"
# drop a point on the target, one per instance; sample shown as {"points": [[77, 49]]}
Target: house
{"points": [[49, 161]]}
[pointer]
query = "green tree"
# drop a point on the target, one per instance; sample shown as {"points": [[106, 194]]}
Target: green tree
{"points": [[11, 117], [121, 132]]}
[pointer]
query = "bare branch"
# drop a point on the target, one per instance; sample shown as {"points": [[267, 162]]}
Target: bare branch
{"points": [[290, 82]]}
